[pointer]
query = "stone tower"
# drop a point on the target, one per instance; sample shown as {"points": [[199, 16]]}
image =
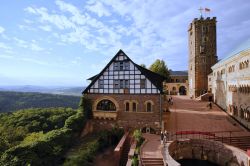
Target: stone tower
{"points": [[202, 54]]}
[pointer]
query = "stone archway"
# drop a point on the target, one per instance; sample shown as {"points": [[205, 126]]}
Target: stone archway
{"points": [[182, 90], [94, 107]]}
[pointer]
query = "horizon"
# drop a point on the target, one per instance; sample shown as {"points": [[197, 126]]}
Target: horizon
{"points": [[62, 42]]}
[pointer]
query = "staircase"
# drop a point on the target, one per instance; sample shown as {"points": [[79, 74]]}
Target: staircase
{"points": [[152, 161], [242, 142], [125, 151]]}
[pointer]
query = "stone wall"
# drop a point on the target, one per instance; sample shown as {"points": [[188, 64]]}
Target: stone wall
{"points": [[212, 151], [231, 86], [130, 119]]}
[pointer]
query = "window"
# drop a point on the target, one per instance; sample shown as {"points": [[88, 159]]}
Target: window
{"points": [[101, 83], [106, 105], [143, 83], [202, 49], [174, 88], [116, 84], [121, 84], [149, 107], [134, 107], [122, 65], [126, 83], [126, 65], [127, 106], [116, 66]]}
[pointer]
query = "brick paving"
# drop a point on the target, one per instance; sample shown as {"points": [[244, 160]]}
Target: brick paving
{"points": [[152, 147], [191, 115]]}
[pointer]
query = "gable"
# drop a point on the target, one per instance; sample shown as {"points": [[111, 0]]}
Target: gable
{"points": [[122, 75]]}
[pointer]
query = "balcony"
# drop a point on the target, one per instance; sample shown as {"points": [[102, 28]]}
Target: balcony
{"points": [[111, 115]]}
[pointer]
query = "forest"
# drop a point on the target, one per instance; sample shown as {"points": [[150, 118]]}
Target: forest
{"points": [[12, 101], [45, 136]]}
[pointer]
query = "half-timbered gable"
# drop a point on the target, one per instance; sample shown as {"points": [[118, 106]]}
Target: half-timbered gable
{"points": [[122, 75], [126, 94]]}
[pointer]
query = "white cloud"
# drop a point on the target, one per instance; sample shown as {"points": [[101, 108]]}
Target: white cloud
{"points": [[6, 56], [34, 61], [30, 10], [29, 45], [148, 29], [60, 21], [4, 46], [1, 29], [46, 28], [35, 47], [99, 9]]}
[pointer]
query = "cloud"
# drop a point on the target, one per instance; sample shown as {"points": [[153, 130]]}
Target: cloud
{"points": [[99, 9], [6, 56], [46, 28], [60, 21], [35, 47], [4, 46], [39, 62], [145, 29], [1, 29], [29, 45]]}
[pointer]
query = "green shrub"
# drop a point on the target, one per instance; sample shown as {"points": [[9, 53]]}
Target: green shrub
{"points": [[75, 122], [45, 151], [85, 156], [86, 107]]}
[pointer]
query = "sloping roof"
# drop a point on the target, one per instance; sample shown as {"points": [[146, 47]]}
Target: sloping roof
{"points": [[241, 48], [93, 77], [155, 78], [178, 73]]}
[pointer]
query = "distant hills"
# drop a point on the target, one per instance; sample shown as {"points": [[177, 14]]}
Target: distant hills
{"points": [[73, 91], [179, 73], [13, 101]]}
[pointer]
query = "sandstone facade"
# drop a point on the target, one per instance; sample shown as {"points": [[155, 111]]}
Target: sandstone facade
{"points": [[231, 86]]}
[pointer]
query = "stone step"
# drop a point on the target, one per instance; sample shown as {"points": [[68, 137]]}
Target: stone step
{"points": [[152, 161]]}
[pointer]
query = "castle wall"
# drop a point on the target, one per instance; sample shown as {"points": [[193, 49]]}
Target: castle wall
{"points": [[231, 86], [130, 118]]}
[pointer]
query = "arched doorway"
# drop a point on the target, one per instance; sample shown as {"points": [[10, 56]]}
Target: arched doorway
{"points": [[182, 90]]}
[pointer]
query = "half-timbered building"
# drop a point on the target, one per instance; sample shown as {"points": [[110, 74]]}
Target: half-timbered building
{"points": [[127, 95]]}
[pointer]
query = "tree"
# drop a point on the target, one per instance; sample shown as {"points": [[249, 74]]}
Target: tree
{"points": [[143, 65], [161, 68]]}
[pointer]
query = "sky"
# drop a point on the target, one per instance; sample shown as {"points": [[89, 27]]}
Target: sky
{"points": [[64, 42]]}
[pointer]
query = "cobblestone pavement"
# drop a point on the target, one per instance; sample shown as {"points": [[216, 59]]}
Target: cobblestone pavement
{"points": [[192, 115]]}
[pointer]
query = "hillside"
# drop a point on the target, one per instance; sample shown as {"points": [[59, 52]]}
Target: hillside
{"points": [[12, 101], [39, 136], [61, 90]]}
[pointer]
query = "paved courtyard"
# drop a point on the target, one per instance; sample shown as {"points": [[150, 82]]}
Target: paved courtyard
{"points": [[192, 115]]}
